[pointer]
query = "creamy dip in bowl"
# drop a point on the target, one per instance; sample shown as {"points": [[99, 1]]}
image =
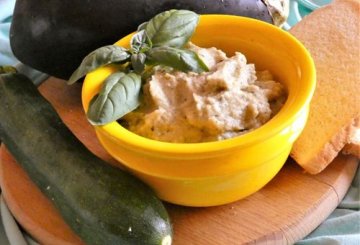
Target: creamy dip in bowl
{"points": [[222, 171], [228, 100]]}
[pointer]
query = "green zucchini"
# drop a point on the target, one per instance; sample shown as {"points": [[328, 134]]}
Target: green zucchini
{"points": [[101, 203]]}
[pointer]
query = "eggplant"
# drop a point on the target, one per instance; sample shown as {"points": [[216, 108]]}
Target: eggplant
{"points": [[53, 36]]}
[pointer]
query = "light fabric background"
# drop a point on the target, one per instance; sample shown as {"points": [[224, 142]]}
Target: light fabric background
{"points": [[341, 227]]}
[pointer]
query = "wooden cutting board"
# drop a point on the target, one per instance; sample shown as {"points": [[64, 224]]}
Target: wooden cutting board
{"points": [[284, 211]]}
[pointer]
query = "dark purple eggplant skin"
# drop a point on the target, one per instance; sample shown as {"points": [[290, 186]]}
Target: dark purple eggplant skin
{"points": [[53, 36]]}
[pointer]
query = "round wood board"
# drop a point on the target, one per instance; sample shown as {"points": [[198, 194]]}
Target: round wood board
{"points": [[284, 211]]}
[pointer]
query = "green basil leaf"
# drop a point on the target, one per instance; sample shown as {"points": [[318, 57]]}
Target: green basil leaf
{"points": [[172, 28], [99, 57], [118, 96], [138, 62], [180, 59], [142, 26], [140, 42]]}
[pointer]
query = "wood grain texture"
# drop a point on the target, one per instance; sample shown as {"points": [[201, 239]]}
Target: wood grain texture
{"points": [[284, 211]]}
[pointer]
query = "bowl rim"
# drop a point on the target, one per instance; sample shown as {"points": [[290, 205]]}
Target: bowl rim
{"points": [[274, 126]]}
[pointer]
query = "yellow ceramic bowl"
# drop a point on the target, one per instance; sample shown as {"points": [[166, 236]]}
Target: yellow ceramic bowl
{"points": [[214, 173]]}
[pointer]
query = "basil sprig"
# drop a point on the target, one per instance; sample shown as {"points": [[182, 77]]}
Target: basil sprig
{"points": [[99, 57], [118, 96], [172, 28], [160, 41], [179, 59], [140, 42]]}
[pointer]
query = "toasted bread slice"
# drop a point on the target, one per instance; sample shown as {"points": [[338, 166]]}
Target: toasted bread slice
{"points": [[331, 34]]}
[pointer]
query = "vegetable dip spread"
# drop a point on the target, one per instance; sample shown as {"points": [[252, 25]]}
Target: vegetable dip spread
{"points": [[229, 100]]}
